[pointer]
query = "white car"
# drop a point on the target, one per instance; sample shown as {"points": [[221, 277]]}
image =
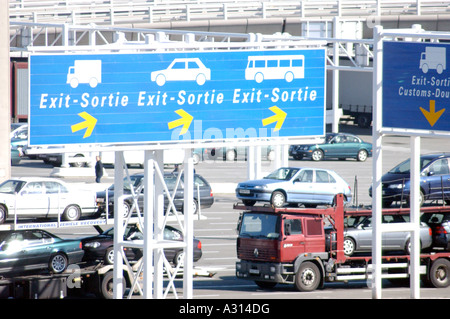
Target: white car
{"points": [[185, 69], [44, 197]]}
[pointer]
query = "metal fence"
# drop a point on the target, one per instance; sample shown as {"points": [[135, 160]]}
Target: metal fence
{"points": [[111, 12]]}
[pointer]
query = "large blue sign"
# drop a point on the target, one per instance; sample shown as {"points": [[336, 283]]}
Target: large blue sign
{"points": [[416, 86], [162, 97]]}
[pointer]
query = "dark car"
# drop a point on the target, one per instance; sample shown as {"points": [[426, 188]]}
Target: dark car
{"points": [[337, 145], [440, 226], [434, 180], [100, 247], [24, 250], [201, 186]]}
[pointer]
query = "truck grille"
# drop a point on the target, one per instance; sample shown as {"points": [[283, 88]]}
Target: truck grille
{"points": [[258, 250]]}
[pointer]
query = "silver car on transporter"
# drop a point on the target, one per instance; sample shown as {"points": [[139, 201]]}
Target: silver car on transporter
{"points": [[294, 185], [43, 198], [358, 238]]}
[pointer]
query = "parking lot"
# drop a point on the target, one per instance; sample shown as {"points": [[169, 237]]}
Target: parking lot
{"points": [[217, 230]]}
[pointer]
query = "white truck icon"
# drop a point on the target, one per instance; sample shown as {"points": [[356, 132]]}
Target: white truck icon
{"points": [[85, 71], [433, 58]]}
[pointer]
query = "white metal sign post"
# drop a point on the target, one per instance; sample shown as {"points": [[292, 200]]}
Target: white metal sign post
{"points": [[409, 99]]}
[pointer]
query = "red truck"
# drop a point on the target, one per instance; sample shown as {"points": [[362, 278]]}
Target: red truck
{"points": [[292, 246]]}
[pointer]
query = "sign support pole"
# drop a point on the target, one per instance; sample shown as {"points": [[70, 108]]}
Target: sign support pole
{"points": [[118, 225], [415, 217], [149, 172], [188, 225], [377, 161]]}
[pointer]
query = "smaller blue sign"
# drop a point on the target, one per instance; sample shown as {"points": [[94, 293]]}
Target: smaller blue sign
{"points": [[416, 86]]}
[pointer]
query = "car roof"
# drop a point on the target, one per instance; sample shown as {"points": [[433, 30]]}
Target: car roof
{"points": [[36, 179], [435, 155]]}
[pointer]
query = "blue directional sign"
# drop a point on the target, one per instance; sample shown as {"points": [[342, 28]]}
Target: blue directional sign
{"points": [[165, 97], [416, 86]]}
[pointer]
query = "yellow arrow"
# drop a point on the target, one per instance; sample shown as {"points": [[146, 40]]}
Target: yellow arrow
{"points": [[279, 117], [432, 116], [88, 124], [185, 120]]}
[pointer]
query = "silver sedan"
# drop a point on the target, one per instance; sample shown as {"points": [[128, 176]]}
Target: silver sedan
{"points": [[359, 237]]}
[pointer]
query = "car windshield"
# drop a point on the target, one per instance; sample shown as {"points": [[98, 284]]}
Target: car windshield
{"points": [[404, 167], [260, 226], [282, 174], [11, 186], [135, 181]]}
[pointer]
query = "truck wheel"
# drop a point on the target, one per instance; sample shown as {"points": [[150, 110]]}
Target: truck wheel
{"points": [[107, 285], [307, 277], [440, 273]]}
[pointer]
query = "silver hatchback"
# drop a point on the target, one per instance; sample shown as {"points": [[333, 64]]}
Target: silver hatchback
{"points": [[359, 237]]}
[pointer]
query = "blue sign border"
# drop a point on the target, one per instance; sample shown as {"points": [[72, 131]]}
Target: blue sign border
{"points": [[128, 106], [416, 86]]}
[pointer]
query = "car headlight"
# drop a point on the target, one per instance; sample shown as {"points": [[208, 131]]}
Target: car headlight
{"points": [[396, 186], [260, 186], [94, 244]]}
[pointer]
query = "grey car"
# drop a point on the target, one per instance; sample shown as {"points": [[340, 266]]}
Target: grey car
{"points": [[359, 238], [294, 185]]}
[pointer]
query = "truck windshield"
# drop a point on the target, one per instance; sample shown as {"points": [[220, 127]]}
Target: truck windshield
{"points": [[260, 226]]}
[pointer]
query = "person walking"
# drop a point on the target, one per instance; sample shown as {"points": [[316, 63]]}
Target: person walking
{"points": [[98, 169]]}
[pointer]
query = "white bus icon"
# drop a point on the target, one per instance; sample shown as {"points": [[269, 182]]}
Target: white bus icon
{"points": [[275, 67], [183, 69]]}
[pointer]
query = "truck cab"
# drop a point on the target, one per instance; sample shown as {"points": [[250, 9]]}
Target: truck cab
{"points": [[269, 244]]}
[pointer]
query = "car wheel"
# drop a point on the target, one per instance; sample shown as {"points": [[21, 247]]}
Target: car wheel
{"points": [[77, 164], [109, 256], [231, 155], [3, 214], [362, 155], [349, 246], [194, 206], [196, 159], [58, 263], [421, 199], [317, 155], [278, 199], [179, 258], [126, 210], [72, 213], [307, 277], [408, 247]]}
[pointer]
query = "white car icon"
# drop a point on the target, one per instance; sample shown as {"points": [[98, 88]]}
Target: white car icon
{"points": [[183, 69]]}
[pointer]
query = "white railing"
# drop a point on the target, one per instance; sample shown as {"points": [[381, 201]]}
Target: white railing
{"points": [[139, 11]]}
